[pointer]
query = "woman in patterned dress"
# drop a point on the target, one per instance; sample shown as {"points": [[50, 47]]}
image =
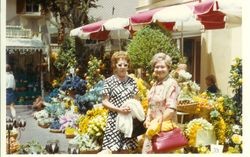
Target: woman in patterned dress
{"points": [[162, 96], [117, 89]]}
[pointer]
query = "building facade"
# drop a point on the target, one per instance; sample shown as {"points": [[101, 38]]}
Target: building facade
{"points": [[27, 46], [207, 51]]}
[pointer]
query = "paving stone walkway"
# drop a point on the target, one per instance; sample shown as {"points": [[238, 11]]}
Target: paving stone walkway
{"points": [[33, 132]]}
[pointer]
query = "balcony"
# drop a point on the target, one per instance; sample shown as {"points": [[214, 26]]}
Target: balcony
{"points": [[18, 32], [54, 47]]}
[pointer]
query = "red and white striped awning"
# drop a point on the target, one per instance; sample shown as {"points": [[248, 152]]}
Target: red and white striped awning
{"points": [[196, 15]]}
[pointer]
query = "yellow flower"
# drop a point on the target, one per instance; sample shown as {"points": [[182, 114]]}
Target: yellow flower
{"points": [[230, 112], [237, 139], [203, 149], [204, 94], [221, 130], [240, 81], [75, 109], [220, 99], [235, 75], [231, 149]]}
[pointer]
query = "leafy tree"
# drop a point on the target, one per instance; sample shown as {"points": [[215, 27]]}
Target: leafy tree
{"points": [[66, 56], [70, 14], [93, 75], [146, 43]]}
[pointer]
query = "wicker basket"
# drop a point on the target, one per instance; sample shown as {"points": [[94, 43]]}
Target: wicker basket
{"points": [[44, 126], [204, 113], [187, 107], [55, 130], [70, 136], [89, 151], [14, 135]]}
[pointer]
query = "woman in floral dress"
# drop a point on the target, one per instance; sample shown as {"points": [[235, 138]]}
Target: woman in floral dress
{"points": [[162, 96], [117, 89]]}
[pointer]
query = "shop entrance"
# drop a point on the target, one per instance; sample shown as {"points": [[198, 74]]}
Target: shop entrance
{"points": [[25, 67], [192, 52]]}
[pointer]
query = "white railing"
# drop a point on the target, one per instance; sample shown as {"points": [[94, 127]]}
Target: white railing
{"points": [[55, 47], [18, 32]]}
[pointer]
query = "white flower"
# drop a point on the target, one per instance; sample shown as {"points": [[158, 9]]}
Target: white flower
{"points": [[236, 129], [194, 86], [185, 75]]}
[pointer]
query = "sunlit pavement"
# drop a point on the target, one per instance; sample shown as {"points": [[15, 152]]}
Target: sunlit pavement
{"points": [[33, 132]]}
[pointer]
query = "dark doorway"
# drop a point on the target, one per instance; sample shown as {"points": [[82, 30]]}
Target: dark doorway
{"points": [[192, 52]]}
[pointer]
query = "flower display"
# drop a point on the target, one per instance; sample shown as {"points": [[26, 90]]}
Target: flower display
{"points": [[183, 75], [68, 120], [237, 139], [143, 92], [90, 98], [189, 88], [194, 126], [235, 83], [53, 94], [93, 76], [204, 103], [32, 147], [74, 82], [55, 109], [93, 122], [203, 150], [85, 142]]}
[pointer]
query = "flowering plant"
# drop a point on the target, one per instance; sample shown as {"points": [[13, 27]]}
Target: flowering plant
{"points": [[93, 122], [194, 126], [143, 92], [73, 82], [189, 88], [68, 120]]}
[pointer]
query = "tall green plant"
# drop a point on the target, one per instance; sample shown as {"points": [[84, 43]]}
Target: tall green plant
{"points": [[235, 83], [148, 42], [66, 55]]}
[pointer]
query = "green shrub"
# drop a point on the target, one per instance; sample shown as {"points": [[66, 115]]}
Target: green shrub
{"points": [[149, 41]]}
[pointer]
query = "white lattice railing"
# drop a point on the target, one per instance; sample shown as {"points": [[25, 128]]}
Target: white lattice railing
{"points": [[18, 32], [54, 47]]}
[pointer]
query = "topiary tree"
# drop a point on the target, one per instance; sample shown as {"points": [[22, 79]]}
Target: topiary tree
{"points": [[147, 42]]}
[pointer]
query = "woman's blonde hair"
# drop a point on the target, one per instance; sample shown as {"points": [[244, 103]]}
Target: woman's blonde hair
{"points": [[117, 56], [161, 56]]}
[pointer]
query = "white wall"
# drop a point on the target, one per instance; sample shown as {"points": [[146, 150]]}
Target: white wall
{"points": [[11, 16], [123, 8], [219, 48]]}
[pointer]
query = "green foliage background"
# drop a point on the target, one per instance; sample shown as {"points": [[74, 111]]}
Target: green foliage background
{"points": [[66, 55], [149, 41]]}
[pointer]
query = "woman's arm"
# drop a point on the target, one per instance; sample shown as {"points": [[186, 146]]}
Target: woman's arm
{"points": [[113, 108]]}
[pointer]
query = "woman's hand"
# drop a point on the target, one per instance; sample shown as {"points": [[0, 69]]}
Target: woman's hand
{"points": [[124, 110], [146, 123]]}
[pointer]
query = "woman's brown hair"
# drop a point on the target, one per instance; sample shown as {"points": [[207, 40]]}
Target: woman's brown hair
{"points": [[117, 56], [8, 68]]}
